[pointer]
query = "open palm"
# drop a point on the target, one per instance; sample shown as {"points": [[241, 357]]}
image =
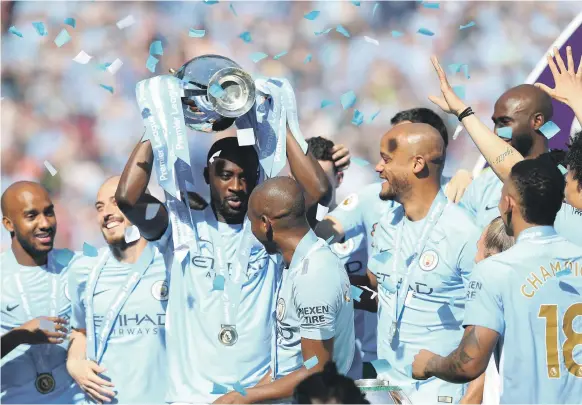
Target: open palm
{"points": [[568, 81], [449, 102]]}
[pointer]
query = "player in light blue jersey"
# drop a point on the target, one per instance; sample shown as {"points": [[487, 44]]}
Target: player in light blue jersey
{"points": [[214, 347], [34, 301], [119, 300], [426, 249], [315, 315], [527, 297]]}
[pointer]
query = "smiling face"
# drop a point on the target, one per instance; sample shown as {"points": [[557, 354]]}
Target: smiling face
{"points": [[111, 220], [394, 165]]}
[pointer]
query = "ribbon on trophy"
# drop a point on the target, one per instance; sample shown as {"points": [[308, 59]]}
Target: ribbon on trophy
{"points": [[159, 100]]}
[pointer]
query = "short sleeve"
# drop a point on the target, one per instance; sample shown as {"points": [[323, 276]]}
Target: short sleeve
{"points": [[77, 284], [466, 260], [349, 214], [484, 305], [470, 198]]}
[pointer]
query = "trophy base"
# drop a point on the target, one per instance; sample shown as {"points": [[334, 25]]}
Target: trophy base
{"points": [[381, 392]]}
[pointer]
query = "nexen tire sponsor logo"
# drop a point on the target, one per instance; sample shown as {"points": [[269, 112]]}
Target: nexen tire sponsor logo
{"points": [[313, 315]]}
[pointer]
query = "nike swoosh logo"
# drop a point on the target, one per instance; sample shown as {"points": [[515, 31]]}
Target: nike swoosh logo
{"points": [[100, 292], [490, 208], [9, 308]]}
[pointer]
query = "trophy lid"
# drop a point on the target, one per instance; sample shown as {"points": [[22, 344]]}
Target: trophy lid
{"points": [[201, 68]]}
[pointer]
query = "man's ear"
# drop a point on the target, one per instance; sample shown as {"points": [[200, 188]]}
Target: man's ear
{"points": [[419, 165], [205, 174], [8, 225], [538, 120]]}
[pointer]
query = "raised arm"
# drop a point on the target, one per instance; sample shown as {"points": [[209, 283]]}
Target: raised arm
{"points": [[131, 194]]}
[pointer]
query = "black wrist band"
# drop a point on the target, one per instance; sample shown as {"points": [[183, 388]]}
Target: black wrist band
{"points": [[466, 112]]}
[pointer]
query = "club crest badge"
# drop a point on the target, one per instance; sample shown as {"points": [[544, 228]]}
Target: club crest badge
{"points": [[349, 203], [280, 309], [343, 249], [429, 260], [160, 290]]}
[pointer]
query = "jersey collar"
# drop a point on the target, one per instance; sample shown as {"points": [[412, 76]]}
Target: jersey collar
{"points": [[302, 248]]}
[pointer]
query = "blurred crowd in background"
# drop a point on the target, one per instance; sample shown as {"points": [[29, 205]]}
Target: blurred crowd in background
{"points": [[54, 110]]}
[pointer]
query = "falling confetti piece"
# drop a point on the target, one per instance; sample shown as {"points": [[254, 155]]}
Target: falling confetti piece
{"points": [[103, 66], [356, 292], [359, 161], [280, 55], [63, 256], [151, 63], [569, 289], [40, 29], [381, 366], [312, 362], [375, 9], [430, 5], [549, 129], [216, 90], [425, 31], [233, 10], [562, 273], [348, 99], [258, 56], [358, 118], [218, 389], [323, 32], [471, 24], [211, 2], [396, 34], [196, 33], [238, 386], [374, 115], [62, 38], [458, 131], [218, 283], [156, 48], [325, 103], [342, 31], [356, 3], [89, 250], [372, 41], [50, 168], [246, 36], [321, 212], [562, 170], [307, 58], [312, 15], [82, 58], [459, 91], [217, 154], [14, 31], [454, 68], [71, 21], [152, 208], [465, 68], [115, 66], [126, 22], [131, 234], [505, 132], [245, 137], [108, 88]]}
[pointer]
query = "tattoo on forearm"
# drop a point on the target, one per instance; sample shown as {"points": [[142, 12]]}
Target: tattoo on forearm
{"points": [[452, 368], [502, 157]]}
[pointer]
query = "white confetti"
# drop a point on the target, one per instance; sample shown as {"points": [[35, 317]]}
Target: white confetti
{"points": [[114, 67], [50, 168], [372, 41], [216, 154], [131, 234], [126, 22], [151, 211], [82, 58], [457, 132], [245, 137], [321, 212]]}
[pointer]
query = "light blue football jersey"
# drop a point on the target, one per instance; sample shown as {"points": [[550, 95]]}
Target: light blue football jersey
{"points": [[434, 308], [569, 224], [135, 352], [197, 359], [481, 199], [530, 294], [314, 302], [20, 367]]}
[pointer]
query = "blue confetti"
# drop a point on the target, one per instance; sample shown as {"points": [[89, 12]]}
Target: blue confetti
{"points": [[381, 366], [312, 362], [246, 36], [396, 34], [233, 10], [323, 32], [89, 250], [71, 21], [325, 103], [466, 71], [151, 63], [103, 66], [196, 33], [431, 5], [62, 38], [562, 170], [307, 58], [108, 88], [459, 91], [14, 31], [505, 132], [240, 389], [312, 15], [218, 283], [156, 48], [146, 113], [211, 2], [375, 8], [359, 161], [568, 288], [258, 56], [562, 273], [356, 3], [382, 257], [63, 256], [40, 29], [471, 24], [219, 389], [455, 68], [408, 370], [348, 99], [216, 90], [549, 129], [374, 115], [425, 31], [356, 292], [358, 118], [342, 31], [280, 55]]}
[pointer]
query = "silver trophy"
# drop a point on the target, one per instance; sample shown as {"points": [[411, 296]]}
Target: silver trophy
{"points": [[381, 392], [215, 74]]}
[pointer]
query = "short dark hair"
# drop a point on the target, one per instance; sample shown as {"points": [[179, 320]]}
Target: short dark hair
{"points": [[574, 157], [540, 185], [320, 148], [423, 116], [327, 386]]}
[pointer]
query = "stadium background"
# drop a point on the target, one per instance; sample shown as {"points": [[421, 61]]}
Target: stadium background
{"points": [[53, 109]]}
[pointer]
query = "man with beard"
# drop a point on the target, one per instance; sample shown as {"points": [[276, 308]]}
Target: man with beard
{"points": [[35, 304], [214, 347], [119, 303], [426, 254]]}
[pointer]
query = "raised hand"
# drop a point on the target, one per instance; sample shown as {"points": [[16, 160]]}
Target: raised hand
{"points": [[84, 372], [568, 82], [34, 334], [341, 157], [449, 102], [458, 185]]}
